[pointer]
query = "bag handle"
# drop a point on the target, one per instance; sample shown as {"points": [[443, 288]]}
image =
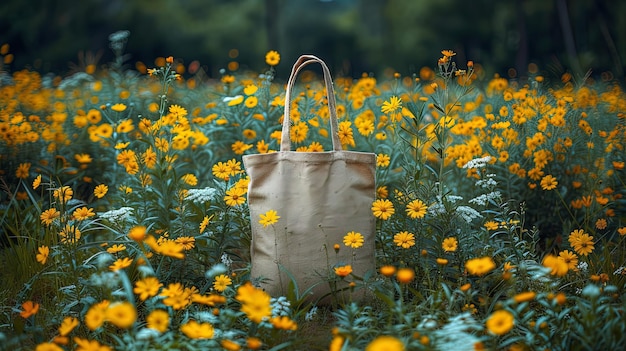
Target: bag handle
{"points": [[285, 143]]}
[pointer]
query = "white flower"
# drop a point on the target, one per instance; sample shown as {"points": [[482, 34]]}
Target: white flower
{"points": [[458, 333], [467, 213], [280, 306], [483, 199], [216, 270], [147, 334], [231, 98], [200, 196], [478, 162], [226, 260], [309, 315], [488, 182], [121, 214]]}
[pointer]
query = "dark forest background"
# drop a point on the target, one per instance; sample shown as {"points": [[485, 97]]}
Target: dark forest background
{"points": [[354, 36]]}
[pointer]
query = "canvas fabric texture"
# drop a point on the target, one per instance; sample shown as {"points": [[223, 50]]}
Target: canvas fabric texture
{"points": [[320, 197]]}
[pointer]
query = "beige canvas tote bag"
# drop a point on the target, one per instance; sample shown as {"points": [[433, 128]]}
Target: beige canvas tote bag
{"points": [[319, 197]]}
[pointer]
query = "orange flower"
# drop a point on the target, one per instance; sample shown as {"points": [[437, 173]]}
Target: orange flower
{"points": [[343, 271], [30, 308], [387, 271], [405, 275]]}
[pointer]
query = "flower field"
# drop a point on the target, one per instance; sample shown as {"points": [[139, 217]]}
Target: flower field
{"points": [[500, 210]]}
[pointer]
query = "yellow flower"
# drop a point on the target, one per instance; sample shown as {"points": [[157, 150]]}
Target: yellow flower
{"points": [[116, 248], [405, 275], [188, 242], [253, 343], [37, 182], [385, 343], [480, 266], [449, 244], [209, 300], [298, 132], [100, 191], [601, 223], [343, 271], [48, 216], [500, 322], [204, 223], [416, 209], [353, 240], [48, 346], [87, 345], [392, 105], [178, 111], [491, 225], [268, 218], [234, 166], [158, 320], [548, 182], [448, 53], [569, 258], [558, 266], [83, 213], [404, 239], [272, 58], [96, 315], [118, 107], [239, 147], [524, 296], [249, 133], [442, 261], [195, 330], [121, 314], [382, 192], [83, 158], [229, 345], [190, 179], [147, 287], [383, 209], [345, 133], [43, 254], [388, 270], [121, 263], [63, 194], [234, 196], [336, 344], [137, 233], [233, 101], [170, 248], [221, 171], [22, 170], [581, 242], [284, 323], [382, 160], [255, 302], [68, 324], [125, 126], [251, 101], [221, 282]]}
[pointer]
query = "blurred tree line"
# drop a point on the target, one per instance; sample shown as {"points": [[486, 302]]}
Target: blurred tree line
{"points": [[354, 36]]}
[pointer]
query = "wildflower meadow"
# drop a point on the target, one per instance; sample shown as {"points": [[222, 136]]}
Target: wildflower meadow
{"points": [[500, 209]]}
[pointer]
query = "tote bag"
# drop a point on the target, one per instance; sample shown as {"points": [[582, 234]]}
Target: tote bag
{"points": [[319, 197]]}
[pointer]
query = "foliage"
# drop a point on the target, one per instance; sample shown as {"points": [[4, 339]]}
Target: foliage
{"points": [[352, 36], [500, 210]]}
